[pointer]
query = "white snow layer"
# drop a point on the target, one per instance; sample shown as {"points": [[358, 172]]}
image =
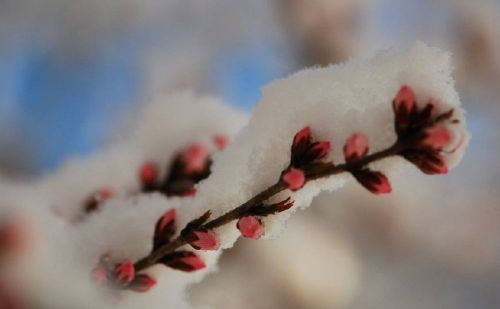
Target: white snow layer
{"points": [[335, 102]]}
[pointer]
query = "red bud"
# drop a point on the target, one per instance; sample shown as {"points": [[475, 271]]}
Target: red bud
{"points": [[124, 272], [167, 219], [303, 137], [356, 147], [436, 137], [250, 227], [149, 173], [294, 178], [220, 141], [183, 260], [375, 182], [204, 240], [142, 283], [404, 100], [195, 157], [404, 106]]}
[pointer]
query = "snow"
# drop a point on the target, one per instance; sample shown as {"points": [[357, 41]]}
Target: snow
{"points": [[335, 102]]}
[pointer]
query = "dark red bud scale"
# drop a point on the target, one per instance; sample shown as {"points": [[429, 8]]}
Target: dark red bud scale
{"points": [[319, 150], [183, 260], [375, 182], [428, 162], [302, 138], [404, 106], [142, 283]]}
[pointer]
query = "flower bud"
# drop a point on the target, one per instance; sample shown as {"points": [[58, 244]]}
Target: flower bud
{"points": [[124, 272], [142, 283], [356, 147], [294, 178], [250, 227]]}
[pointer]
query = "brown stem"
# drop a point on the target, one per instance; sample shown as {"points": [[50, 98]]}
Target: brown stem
{"points": [[276, 188]]}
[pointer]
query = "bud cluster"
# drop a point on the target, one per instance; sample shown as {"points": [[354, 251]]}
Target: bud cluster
{"points": [[188, 167]]}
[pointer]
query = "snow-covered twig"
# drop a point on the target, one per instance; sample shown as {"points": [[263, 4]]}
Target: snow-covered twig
{"points": [[422, 137], [258, 171]]}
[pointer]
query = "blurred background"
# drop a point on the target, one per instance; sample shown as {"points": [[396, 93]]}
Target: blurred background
{"points": [[71, 70]]}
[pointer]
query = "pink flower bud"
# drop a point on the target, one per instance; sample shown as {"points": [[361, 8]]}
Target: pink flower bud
{"points": [[303, 137], [124, 272], [220, 141], [404, 100], [195, 158], [436, 137], [167, 219], [149, 173], [142, 283], [375, 182], [183, 260], [250, 227], [403, 105], [100, 275], [356, 147], [294, 178], [204, 240], [304, 151], [165, 229]]}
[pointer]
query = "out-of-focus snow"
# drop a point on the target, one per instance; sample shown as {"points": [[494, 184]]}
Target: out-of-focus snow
{"points": [[163, 128], [64, 252]]}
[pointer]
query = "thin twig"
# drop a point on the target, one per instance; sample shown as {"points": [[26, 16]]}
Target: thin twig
{"points": [[240, 211]]}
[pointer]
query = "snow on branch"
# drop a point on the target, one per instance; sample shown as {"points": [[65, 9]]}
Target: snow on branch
{"points": [[312, 131]]}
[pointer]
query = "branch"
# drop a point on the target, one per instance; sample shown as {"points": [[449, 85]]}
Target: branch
{"points": [[260, 198], [423, 136]]}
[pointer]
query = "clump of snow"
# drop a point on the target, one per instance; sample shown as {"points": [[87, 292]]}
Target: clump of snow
{"points": [[163, 128], [335, 102], [66, 252]]}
